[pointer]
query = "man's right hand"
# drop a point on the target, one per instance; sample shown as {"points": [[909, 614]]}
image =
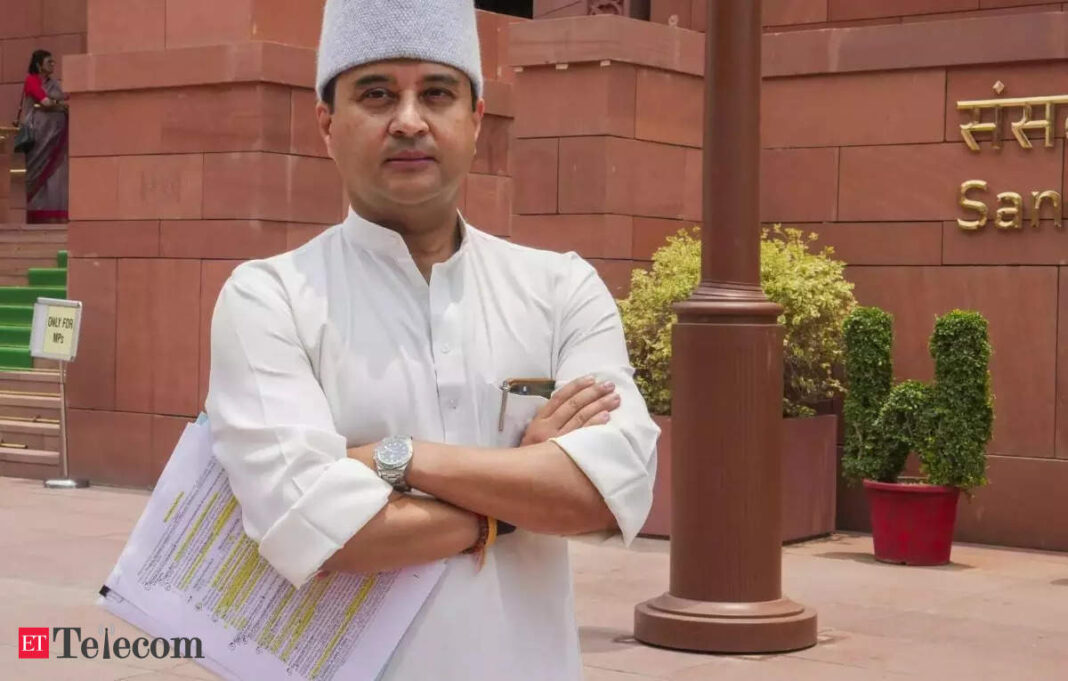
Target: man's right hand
{"points": [[582, 402]]}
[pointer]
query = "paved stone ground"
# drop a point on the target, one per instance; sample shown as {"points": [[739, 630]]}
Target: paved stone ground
{"points": [[994, 614]]}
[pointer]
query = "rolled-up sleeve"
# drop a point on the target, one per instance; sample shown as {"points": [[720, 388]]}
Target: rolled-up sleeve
{"points": [[301, 497], [619, 457]]}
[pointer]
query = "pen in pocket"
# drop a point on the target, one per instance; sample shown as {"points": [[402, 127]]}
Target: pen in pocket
{"points": [[542, 387]]}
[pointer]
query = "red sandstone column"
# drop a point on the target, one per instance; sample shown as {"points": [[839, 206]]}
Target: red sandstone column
{"points": [[725, 590]]}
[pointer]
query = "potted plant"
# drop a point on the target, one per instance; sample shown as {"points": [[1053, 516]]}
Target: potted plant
{"points": [[947, 424], [816, 298]]}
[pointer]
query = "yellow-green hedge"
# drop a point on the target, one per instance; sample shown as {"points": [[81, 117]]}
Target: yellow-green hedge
{"points": [[810, 285]]}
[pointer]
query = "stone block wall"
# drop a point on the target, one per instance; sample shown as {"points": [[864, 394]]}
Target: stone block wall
{"points": [[194, 148], [608, 137], [786, 15], [27, 25], [6, 142], [189, 156], [58, 26], [863, 146]]}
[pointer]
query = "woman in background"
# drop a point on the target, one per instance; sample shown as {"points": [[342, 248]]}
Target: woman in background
{"points": [[45, 107]]}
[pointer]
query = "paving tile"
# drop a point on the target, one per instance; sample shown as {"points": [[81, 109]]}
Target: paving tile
{"points": [[1041, 643], [69, 670], [23, 527], [172, 675], [192, 670], [1027, 606], [603, 649], [96, 557], [993, 614], [782, 669], [598, 674], [931, 660]]}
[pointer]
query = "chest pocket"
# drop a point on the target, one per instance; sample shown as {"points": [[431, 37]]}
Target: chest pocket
{"points": [[506, 428]]}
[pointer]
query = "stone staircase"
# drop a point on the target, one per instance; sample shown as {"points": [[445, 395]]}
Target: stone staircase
{"points": [[32, 263], [29, 423]]}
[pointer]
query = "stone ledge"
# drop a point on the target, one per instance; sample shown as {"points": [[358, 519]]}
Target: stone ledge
{"points": [[949, 42], [259, 62], [606, 37], [1000, 39], [252, 62]]}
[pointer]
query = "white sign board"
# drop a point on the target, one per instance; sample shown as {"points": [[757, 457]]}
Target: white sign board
{"points": [[56, 324]]}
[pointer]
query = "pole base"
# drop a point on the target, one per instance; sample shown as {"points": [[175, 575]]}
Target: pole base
{"points": [[65, 483], [744, 628]]}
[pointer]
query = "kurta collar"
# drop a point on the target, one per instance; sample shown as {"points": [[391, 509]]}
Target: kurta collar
{"points": [[373, 237]]}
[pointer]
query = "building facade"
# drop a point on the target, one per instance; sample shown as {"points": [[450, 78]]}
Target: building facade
{"points": [[193, 148]]}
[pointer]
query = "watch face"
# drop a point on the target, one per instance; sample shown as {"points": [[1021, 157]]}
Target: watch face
{"points": [[393, 452]]}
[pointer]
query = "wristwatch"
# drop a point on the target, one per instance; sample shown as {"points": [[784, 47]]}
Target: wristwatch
{"points": [[392, 456]]}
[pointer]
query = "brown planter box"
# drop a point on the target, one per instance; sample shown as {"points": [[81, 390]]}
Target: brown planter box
{"points": [[809, 473]]}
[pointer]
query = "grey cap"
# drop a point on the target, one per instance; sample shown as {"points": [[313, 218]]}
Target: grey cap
{"points": [[357, 32]]}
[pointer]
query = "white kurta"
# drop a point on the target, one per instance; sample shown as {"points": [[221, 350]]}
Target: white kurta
{"points": [[342, 342]]}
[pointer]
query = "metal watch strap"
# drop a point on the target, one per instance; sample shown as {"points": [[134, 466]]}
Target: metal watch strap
{"points": [[395, 475]]}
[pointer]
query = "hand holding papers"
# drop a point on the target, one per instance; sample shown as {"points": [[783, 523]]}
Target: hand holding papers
{"points": [[188, 570]]}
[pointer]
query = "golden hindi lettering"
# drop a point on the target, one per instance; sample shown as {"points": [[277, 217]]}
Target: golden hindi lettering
{"points": [[977, 124], [992, 124]]}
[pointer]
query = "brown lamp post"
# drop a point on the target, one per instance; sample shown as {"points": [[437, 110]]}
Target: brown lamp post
{"points": [[725, 592]]}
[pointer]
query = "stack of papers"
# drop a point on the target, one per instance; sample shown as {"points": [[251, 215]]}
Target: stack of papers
{"points": [[189, 570]]}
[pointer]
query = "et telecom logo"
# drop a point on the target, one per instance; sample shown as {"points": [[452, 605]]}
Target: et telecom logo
{"points": [[34, 644]]}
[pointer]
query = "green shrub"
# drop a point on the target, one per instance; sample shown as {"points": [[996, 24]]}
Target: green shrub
{"points": [[948, 423], [868, 335], [810, 286], [816, 299], [648, 317], [902, 427], [962, 410]]}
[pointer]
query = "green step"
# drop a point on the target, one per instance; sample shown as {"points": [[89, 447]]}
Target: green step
{"points": [[61, 259], [15, 358], [11, 334], [28, 295], [47, 276], [16, 315]]}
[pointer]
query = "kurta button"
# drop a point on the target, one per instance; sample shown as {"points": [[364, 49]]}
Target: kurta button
{"points": [[445, 349]]}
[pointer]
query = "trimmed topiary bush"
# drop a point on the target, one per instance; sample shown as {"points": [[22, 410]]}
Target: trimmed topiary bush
{"points": [[902, 427], [869, 336], [963, 406], [947, 423]]}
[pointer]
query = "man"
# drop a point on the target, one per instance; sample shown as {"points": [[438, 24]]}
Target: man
{"points": [[370, 362]]}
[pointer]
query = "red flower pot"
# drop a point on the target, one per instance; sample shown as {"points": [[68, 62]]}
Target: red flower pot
{"points": [[912, 524]]}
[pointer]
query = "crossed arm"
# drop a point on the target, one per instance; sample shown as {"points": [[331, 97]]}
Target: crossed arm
{"points": [[302, 489], [537, 487]]}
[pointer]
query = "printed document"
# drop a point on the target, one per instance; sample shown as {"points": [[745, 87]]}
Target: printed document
{"points": [[188, 570]]}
